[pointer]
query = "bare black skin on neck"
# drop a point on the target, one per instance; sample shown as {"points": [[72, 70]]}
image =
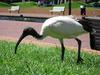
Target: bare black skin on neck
{"points": [[86, 25], [26, 32]]}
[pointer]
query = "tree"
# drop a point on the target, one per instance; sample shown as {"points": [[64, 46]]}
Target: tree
{"points": [[58, 2], [96, 1], [63, 1], [89, 1], [23, 0]]}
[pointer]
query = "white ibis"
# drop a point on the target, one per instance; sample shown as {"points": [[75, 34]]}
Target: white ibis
{"points": [[60, 27]]}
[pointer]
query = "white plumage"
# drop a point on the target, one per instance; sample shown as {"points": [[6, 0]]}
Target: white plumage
{"points": [[59, 27]]}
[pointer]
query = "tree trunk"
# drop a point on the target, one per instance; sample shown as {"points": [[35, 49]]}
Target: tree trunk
{"points": [[65, 1], [23, 0], [61, 1], [58, 1]]}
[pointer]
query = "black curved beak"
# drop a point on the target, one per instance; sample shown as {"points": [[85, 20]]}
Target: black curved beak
{"points": [[26, 32], [20, 39]]}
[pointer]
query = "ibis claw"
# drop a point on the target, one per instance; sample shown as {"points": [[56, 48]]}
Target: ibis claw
{"points": [[79, 60]]}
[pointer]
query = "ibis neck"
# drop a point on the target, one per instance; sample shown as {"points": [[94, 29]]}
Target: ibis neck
{"points": [[38, 36], [32, 32], [26, 32]]}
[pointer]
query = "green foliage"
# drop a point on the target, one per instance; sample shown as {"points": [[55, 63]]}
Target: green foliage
{"points": [[34, 60]]}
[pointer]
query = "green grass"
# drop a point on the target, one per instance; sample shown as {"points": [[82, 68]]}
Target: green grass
{"points": [[76, 4], [30, 4], [4, 4], [26, 4], [33, 4], [35, 60]]}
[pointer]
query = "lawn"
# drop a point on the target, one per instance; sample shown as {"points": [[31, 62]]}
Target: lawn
{"points": [[74, 4], [36, 60], [30, 4], [33, 4], [4, 5]]}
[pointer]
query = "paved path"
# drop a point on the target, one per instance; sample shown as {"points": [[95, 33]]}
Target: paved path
{"points": [[13, 29], [29, 14]]}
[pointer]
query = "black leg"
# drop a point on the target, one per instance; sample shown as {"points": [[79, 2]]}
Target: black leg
{"points": [[63, 50], [79, 48]]}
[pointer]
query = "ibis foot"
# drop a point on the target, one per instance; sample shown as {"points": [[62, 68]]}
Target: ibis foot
{"points": [[79, 60]]}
